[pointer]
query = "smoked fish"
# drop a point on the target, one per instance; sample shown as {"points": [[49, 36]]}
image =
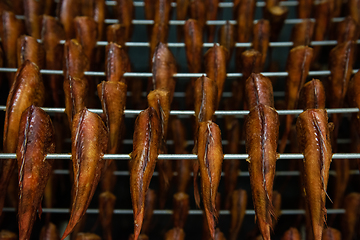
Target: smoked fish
{"points": [[33, 11], [302, 33], [331, 234], [150, 203], [291, 234], [125, 14], [106, 210], [66, 12], [49, 232], [181, 209], [29, 49], [117, 63], [238, 208], [175, 234], [350, 220]]}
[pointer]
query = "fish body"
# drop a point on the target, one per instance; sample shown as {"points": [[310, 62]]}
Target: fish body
{"points": [[75, 60], [33, 9], [181, 209], [212, 7], [86, 33], [29, 49], [291, 234], [106, 210], [347, 30], [66, 12], [258, 90], [227, 38], [175, 234], [350, 219], [114, 33], [238, 209], [182, 9], [304, 9], [197, 11], [117, 63], [87, 236], [331, 234], [312, 95], [150, 203], [276, 15], [302, 33], [193, 37], [49, 232], [125, 13], [261, 37]]}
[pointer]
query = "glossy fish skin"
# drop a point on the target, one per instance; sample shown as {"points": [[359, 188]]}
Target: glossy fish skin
{"points": [[212, 7], [67, 11], [227, 38], [117, 63], [350, 218], [87, 236], [114, 33], [113, 101], [76, 96], [215, 67], [193, 37], [75, 60], [261, 38], [291, 234], [27, 89], [7, 235], [162, 11], [146, 148], [238, 208], [33, 9], [261, 148], [106, 210], [86, 34], [125, 12], [150, 204], [175, 234], [197, 11], [331, 234], [210, 157], [163, 69], [205, 99], [49, 232], [219, 235], [95, 9], [29, 49], [258, 90], [181, 208], [314, 142], [89, 138], [304, 9], [251, 63], [159, 34], [277, 16], [182, 7], [302, 33], [347, 30], [36, 140], [298, 66], [52, 32], [12, 28], [312, 95]]}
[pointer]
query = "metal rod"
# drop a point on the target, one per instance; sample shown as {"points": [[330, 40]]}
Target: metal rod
{"points": [[170, 212], [187, 156]]}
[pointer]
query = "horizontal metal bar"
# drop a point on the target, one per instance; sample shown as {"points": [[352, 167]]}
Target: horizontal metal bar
{"points": [[177, 75], [170, 212], [187, 156]]}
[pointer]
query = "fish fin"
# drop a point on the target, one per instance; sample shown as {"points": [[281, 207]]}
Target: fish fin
{"points": [[196, 187]]}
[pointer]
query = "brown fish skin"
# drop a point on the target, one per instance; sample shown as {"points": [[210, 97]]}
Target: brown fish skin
{"points": [[212, 7], [106, 211], [353, 10], [197, 11], [12, 28], [261, 38], [258, 90], [29, 49], [89, 138], [205, 99], [181, 208], [162, 11], [262, 119], [210, 157], [125, 12], [159, 34], [215, 67], [276, 16], [51, 34], [304, 9], [227, 38], [302, 33], [146, 148], [353, 95], [76, 96], [350, 218], [312, 95], [347, 30], [175, 234], [314, 142], [219, 235], [27, 89], [182, 8], [298, 66], [163, 68], [75, 60], [231, 167], [7, 235], [66, 12], [49, 232], [33, 9], [141, 237], [36, 140], [87, 236], [238, 208], [113, 101], [86, 34], [150, 203], [251, 62], [95, 9], [331, 234], [291, 234], [193, 37], [114, 33], [117, 63]]}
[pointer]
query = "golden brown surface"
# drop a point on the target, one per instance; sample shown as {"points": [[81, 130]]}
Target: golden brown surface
{"points": [[49, 232], [205, 98], [238, 208], [181, 14], [353, 10], [150, 203], [314, 142], [193, 37], [219, 235], [227, 38], [67, 11], [304, 8], [347, 30], [212, 7], [29, 49], [114, 33], [89, 138], [86, 34], [146, 148], [291, 234], [181, 209], [75, 60], [87, 236], [210, 157], [258, 90], [125, 14], [106, 210], [162, 11], [251, 62], [141, 237], [276, 16], [159, 34], [349, 221], [197, 10], [117, 63], [331, 234], [312, 95], [27, 89], [262, 131], [33, 9], [261, 38], [302, 33], [36, 140], [175, 234]]}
